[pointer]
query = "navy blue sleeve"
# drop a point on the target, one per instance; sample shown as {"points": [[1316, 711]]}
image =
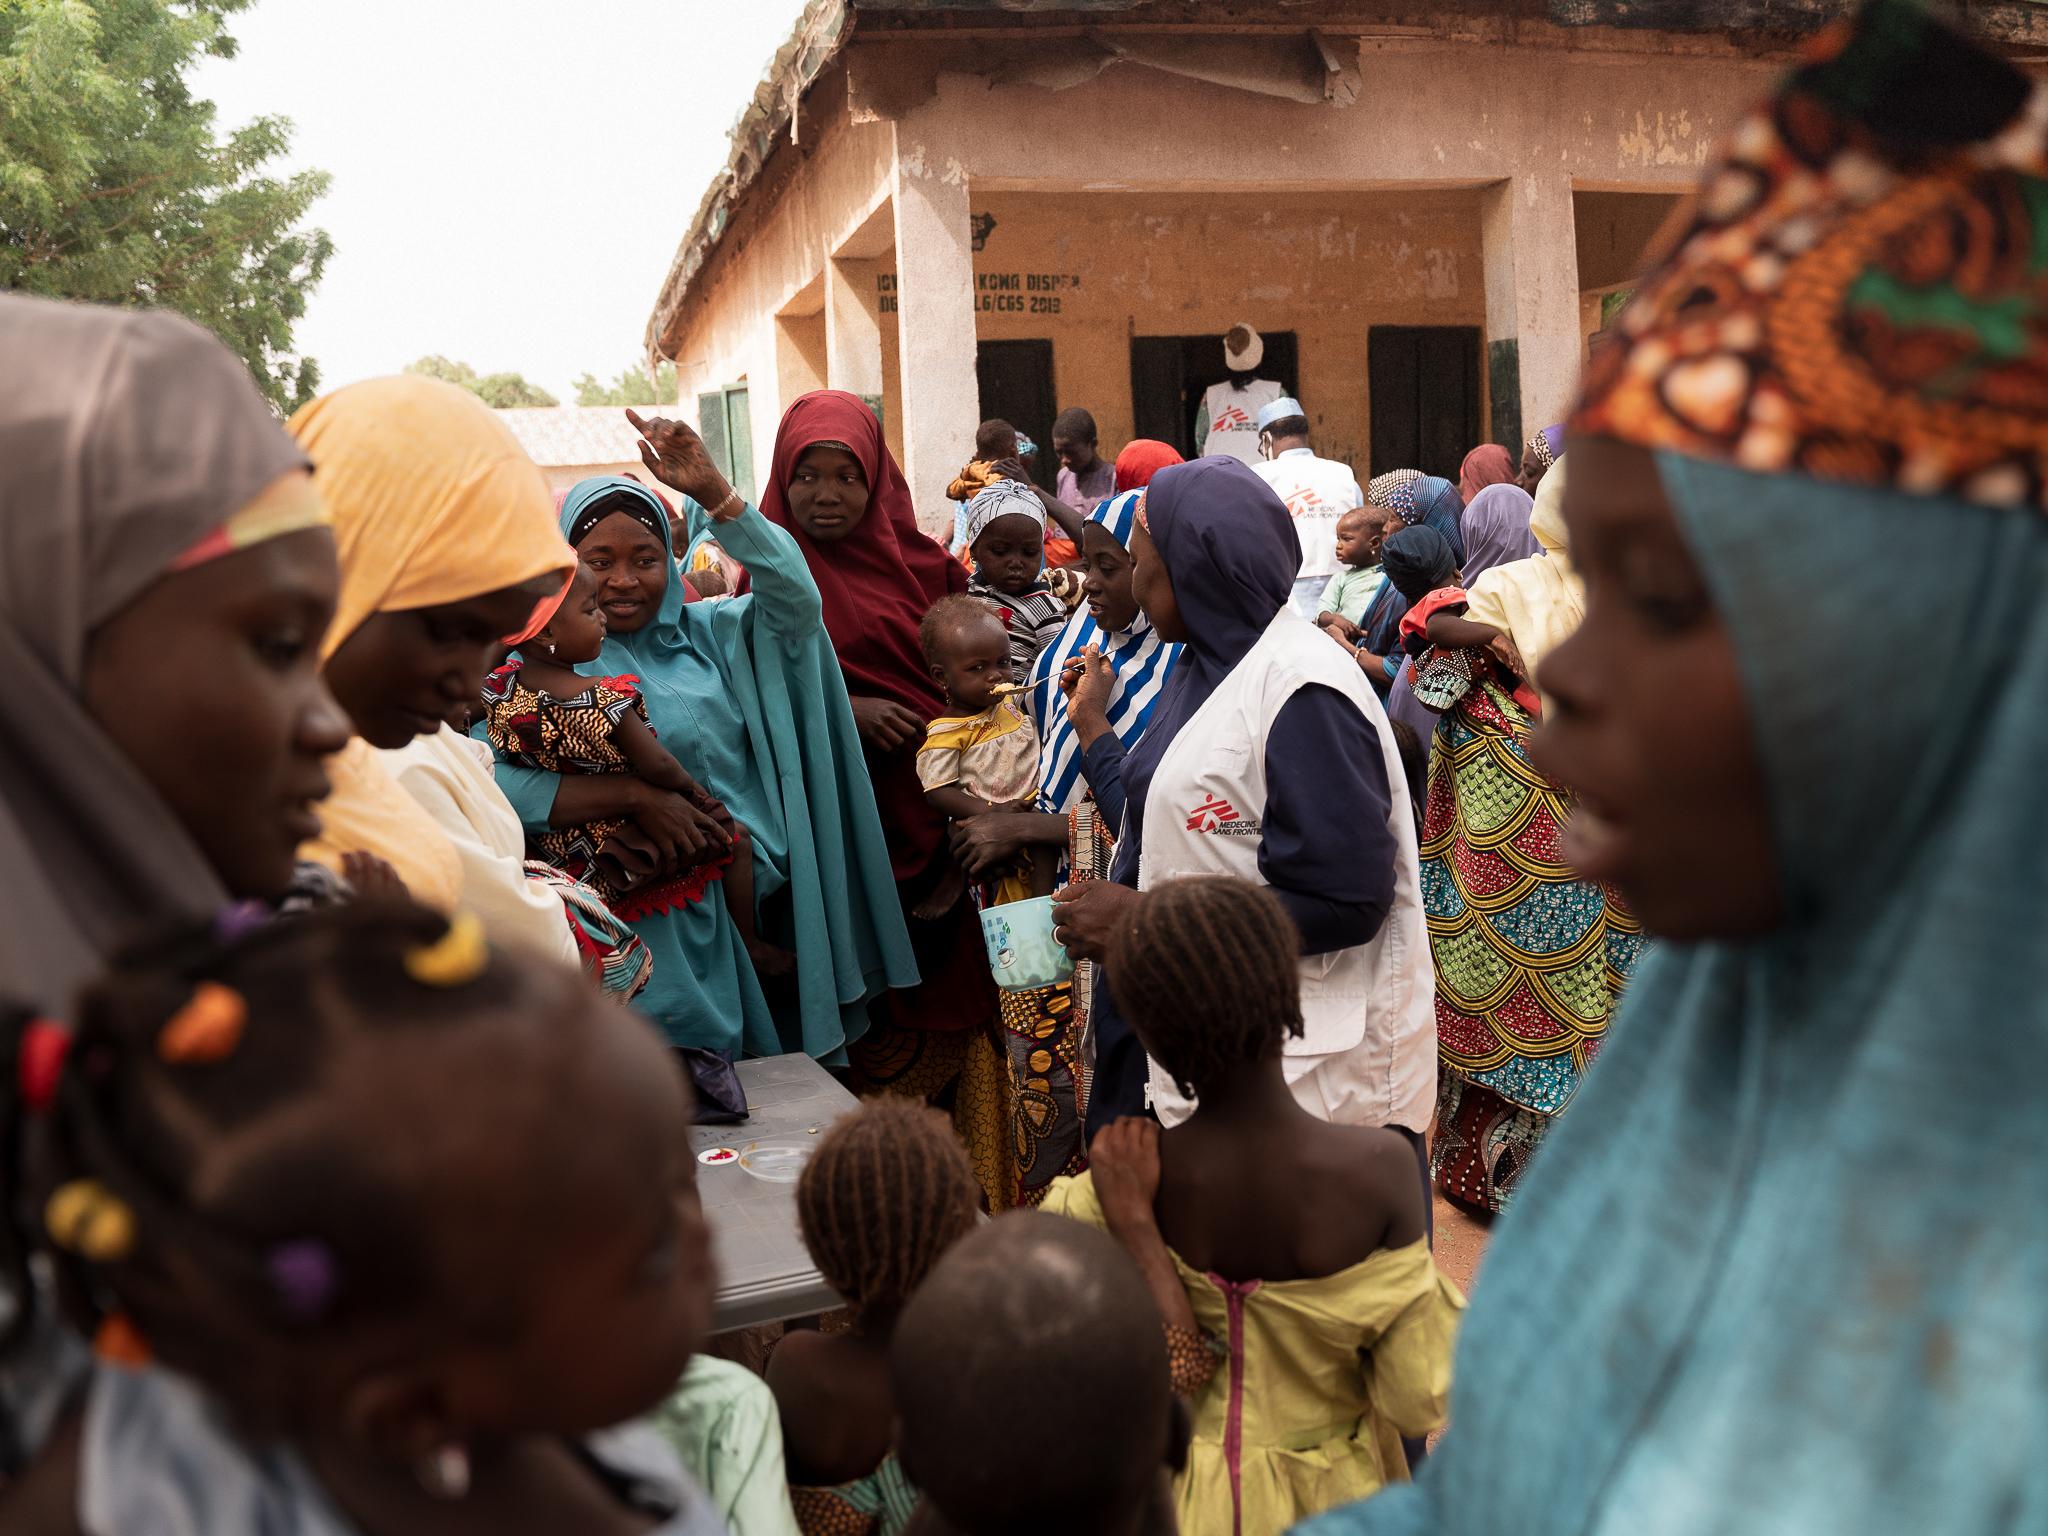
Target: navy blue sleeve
{"points": [[1102, 765], [1326, 848]]}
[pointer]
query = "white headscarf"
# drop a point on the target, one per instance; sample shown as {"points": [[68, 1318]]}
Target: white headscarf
{"points": [[1003, 498]]}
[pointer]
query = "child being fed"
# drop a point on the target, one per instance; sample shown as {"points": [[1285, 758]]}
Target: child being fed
{"points": [[982, 755]]}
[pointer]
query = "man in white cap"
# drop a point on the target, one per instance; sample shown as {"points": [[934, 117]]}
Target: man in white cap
{"points": [[1317, 491], [1228, 419]]}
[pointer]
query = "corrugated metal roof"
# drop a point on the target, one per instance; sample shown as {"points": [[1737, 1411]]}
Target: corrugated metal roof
{"points": [[574, 434]]}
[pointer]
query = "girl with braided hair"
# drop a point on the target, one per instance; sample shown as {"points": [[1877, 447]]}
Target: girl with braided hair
{"points": [[326, 1200], [1306, 1320], [888, 1191]]}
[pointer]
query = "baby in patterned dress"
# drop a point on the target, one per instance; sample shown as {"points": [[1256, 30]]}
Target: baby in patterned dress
{"points": [[542, 713]]}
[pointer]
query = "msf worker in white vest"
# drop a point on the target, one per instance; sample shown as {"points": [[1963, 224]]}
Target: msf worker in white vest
{"points": [[1269, 758]]}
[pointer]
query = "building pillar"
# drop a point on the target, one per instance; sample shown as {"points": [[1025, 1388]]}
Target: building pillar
{"points": [[935, 332], [853, 329], [1533, 342]]}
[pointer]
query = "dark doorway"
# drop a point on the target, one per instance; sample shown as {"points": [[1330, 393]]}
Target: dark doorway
{"points": [[1425, 397], [1016, 384], [1170, 374]]}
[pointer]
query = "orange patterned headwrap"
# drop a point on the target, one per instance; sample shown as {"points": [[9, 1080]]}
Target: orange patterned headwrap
{"points": [[1862, 292]]}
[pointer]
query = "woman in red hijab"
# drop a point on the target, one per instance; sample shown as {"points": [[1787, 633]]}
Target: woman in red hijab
{"points": [[835, 486], [1488, 464], [1141, 459]]}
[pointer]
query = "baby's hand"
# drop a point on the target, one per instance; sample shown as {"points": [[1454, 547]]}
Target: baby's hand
{"points": [[372, 878]]}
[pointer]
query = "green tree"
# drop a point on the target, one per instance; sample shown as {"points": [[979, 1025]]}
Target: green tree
{"points": [[114, 185], [635, 386], [497, 390]]}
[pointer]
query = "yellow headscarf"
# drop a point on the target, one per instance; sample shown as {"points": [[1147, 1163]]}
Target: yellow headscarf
{"points": [[1537, 602], [433, 502], [433, 499]]}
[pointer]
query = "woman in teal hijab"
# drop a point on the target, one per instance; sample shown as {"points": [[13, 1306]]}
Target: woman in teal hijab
{"points": [[1789, 1243], [746, 693]]}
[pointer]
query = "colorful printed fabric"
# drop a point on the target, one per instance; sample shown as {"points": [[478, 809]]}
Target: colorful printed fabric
{"points": [[613, 955], [966, 1067], [1547, 446], [531, 729], [992, 755], [1860, 295], [879, 1504], [1048, 1086], [1483, 1144], [1530, 960]]}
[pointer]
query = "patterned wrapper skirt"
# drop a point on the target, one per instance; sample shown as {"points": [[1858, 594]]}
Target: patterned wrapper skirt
{"points": [[1530, 959], [1017, 1089]]}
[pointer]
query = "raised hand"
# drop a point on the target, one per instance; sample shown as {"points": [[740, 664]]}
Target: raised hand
{"points": [[676, 456]]}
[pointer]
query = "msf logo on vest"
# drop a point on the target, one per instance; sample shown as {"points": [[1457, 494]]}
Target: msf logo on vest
{"points": [[1219, 816]]}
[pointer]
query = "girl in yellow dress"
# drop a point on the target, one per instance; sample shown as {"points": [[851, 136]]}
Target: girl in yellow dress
{"points": [[1307, 1323]]}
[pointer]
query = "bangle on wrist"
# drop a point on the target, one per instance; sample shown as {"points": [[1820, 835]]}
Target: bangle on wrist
{"points": [[718, 514]]}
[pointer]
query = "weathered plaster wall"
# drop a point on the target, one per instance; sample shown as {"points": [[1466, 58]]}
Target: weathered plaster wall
{"points": [[1450, 193], [1536, 126], [767, 266], [1092, 270]]}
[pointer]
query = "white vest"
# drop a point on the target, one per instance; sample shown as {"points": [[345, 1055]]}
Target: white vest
{"points": [[1234, 417], [1367, 1054], [1318, 492]]}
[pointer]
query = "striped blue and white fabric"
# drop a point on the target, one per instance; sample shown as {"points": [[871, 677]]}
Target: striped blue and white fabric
{"points": [[1142, 661]]}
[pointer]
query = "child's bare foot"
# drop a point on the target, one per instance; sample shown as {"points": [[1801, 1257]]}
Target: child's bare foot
{"points": [[771, 961], [951, 887]]}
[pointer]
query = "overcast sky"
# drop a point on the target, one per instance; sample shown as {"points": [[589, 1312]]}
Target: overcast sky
{"points": [[511, 177]]}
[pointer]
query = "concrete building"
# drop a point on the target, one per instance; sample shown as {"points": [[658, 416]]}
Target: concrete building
{"points": [[960, 208]]}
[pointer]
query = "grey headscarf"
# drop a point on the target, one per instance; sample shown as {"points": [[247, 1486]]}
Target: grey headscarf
{"points": [[125, 437]]}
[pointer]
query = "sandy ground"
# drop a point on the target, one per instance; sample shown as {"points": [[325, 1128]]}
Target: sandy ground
{"points": [[1460, 1243]]}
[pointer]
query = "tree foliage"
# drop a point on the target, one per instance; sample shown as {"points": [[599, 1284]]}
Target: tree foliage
{"points": [[114, 185], [634, 386], [497, 390]]}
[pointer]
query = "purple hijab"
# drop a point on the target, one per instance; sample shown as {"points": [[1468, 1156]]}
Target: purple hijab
{"points": [[1231, 552], [1496, 529]]}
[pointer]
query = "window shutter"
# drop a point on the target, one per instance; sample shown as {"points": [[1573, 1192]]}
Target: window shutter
{"points": [[739, 438], [711, 427]]}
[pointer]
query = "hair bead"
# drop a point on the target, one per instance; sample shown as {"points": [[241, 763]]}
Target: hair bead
{"points": [[91, 1221], [303, 1274], [119, 1342], [39, 1064], [455, 959], [207, 1028]]}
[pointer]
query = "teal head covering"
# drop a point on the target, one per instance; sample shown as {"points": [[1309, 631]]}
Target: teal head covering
{"points": [[746, 692], [1790, 1273], [1781, 1268], [588, 503]]}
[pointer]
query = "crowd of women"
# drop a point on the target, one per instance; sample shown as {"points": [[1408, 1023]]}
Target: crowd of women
{"points": [[343, 1195]]}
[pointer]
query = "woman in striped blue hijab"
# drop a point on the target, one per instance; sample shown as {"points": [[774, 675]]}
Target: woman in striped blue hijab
{"points": [[1112, 621]]}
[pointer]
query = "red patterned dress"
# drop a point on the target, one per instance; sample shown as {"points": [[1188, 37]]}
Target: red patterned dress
{"points": [[538, 730]]}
